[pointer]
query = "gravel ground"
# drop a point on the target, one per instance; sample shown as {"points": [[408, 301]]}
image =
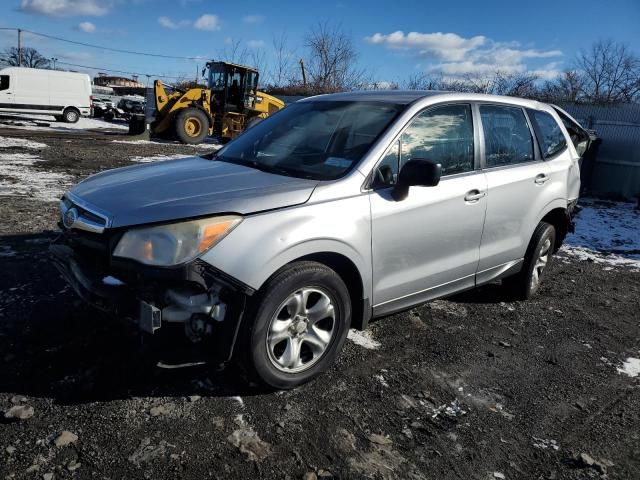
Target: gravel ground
{"points": [[472, 387]]}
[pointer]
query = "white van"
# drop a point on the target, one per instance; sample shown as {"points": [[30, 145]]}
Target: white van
{"points": [[65, 95]]}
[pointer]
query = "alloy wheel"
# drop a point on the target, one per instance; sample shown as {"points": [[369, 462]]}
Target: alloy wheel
{"points": [[301, 330]]}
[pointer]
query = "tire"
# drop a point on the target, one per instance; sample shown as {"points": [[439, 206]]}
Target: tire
{"points": [[192, 126], [71, 115], [283, 350], [109, 115], [526, 283]]}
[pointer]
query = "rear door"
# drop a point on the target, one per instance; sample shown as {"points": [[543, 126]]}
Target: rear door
{"points": [[427, 244], [6, 91], [518, 186]]}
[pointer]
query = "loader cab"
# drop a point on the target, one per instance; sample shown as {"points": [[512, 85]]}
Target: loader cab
{"points": [[233, 87]]}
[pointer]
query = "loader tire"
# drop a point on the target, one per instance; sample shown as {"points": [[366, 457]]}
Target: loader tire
{"points": [[192, 126]]}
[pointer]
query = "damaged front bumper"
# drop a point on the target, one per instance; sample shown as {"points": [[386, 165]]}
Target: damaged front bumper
{"points": [[206, 302]]}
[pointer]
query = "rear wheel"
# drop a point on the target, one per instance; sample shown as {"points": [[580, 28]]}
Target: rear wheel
{"points": [[300, 323], [71, 115], [192, 126], [526, 283]]}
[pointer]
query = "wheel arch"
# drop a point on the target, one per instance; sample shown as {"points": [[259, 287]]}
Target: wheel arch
{"points": [[349, 273], [557, 214]]}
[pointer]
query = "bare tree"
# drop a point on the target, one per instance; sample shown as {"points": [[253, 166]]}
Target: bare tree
{"points": [[332, 60], [423, 81], [30, 58], [234, 51], [610, 72], [258, 60], [284, 64], [568, 87]]}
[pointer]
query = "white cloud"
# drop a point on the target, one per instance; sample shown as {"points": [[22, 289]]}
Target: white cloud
{"points": [[67, 8], [207, 22], [255, 43], [87, 27], [253, 19], [167, 22], [437, 45], [453, 55]]}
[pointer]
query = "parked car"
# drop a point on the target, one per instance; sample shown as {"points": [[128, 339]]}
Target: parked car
{"points": [[336, 210], [131, 106], [100, 106], [65, 95]]}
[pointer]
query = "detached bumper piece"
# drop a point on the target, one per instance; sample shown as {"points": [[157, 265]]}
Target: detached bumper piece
{"points": [[210, 310]]}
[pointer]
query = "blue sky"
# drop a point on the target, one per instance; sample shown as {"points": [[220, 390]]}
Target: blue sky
{"points": [[394, 39]]}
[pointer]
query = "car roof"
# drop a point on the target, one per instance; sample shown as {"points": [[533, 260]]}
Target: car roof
{"points": [[405, 97]]}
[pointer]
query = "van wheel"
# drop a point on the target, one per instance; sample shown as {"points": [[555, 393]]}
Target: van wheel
{"points": [[71, 115], [526, 283], [192, 126], [300, 322]]}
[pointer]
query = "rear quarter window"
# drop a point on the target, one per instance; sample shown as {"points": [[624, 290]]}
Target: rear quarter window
{"points": [[550, 137], [4, 82]]}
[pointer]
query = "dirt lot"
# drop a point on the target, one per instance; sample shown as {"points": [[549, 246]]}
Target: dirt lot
{"points": [[472, 387]]}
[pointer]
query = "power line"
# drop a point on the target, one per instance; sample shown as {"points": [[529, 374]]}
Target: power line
{"points": [[100, 69], [130, 52]]}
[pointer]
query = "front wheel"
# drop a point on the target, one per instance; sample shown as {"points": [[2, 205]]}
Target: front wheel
{"points": [[300, 323], [192, 126], [526, 283]]}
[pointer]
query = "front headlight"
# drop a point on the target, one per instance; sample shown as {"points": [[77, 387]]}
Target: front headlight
{"points": [[176, 243]]}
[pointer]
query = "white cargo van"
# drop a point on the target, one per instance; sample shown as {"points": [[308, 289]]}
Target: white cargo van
{"points": [[65, 95]]}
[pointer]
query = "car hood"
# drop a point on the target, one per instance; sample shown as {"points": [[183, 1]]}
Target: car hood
{"points": [[188, 187]]}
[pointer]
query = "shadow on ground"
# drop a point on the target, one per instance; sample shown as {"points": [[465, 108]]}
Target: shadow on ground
{"points": [[53, 345]]}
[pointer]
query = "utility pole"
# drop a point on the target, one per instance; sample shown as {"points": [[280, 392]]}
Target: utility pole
{"points": [[304, 74], [19, 47]]}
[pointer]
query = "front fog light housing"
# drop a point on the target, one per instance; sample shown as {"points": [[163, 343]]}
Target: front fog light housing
{"points": [[175, 243]]}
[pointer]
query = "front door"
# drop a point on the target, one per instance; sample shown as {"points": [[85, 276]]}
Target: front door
{"points": [[427, 244], [6, 92]]}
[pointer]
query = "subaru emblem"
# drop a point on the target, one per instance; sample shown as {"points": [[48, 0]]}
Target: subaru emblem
{"points": [[70, 217]]}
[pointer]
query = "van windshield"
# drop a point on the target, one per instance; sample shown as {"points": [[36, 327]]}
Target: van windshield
{"points": [[321, 140]]}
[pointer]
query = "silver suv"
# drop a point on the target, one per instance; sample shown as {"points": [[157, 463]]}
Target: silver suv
{"points": [[335, 210]]}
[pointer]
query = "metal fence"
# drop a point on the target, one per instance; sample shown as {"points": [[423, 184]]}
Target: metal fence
{"points": [[616, 171]]}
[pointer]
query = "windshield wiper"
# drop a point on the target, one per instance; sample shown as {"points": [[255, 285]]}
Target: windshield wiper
{"points": [[256, 165]]}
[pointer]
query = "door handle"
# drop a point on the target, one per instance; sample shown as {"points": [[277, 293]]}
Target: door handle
{"points": [[474, 195], [541, 179]]}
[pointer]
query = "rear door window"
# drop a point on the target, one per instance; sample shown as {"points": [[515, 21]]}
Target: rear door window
{"points": [[4, 82], [549, 133], [507, 137]]}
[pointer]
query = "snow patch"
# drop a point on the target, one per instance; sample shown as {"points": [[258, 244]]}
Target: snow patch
{"points": [[207, 144], [19, 177], [607, 233], [158, 158], [631, 367], [364, 339], [8, 142], [30, 122], [610, 261], [608, 227]]}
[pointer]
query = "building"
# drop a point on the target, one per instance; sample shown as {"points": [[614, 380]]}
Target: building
{"points": [[121, 85]]}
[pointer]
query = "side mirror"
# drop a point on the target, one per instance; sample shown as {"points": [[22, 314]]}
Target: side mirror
{"points": [[416, 172], [581, 148]]}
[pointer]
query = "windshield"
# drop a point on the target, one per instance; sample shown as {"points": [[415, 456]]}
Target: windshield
{"points": [[319, 140]]}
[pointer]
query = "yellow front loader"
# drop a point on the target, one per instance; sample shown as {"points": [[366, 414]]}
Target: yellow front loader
{"points": [[230, 104]]}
